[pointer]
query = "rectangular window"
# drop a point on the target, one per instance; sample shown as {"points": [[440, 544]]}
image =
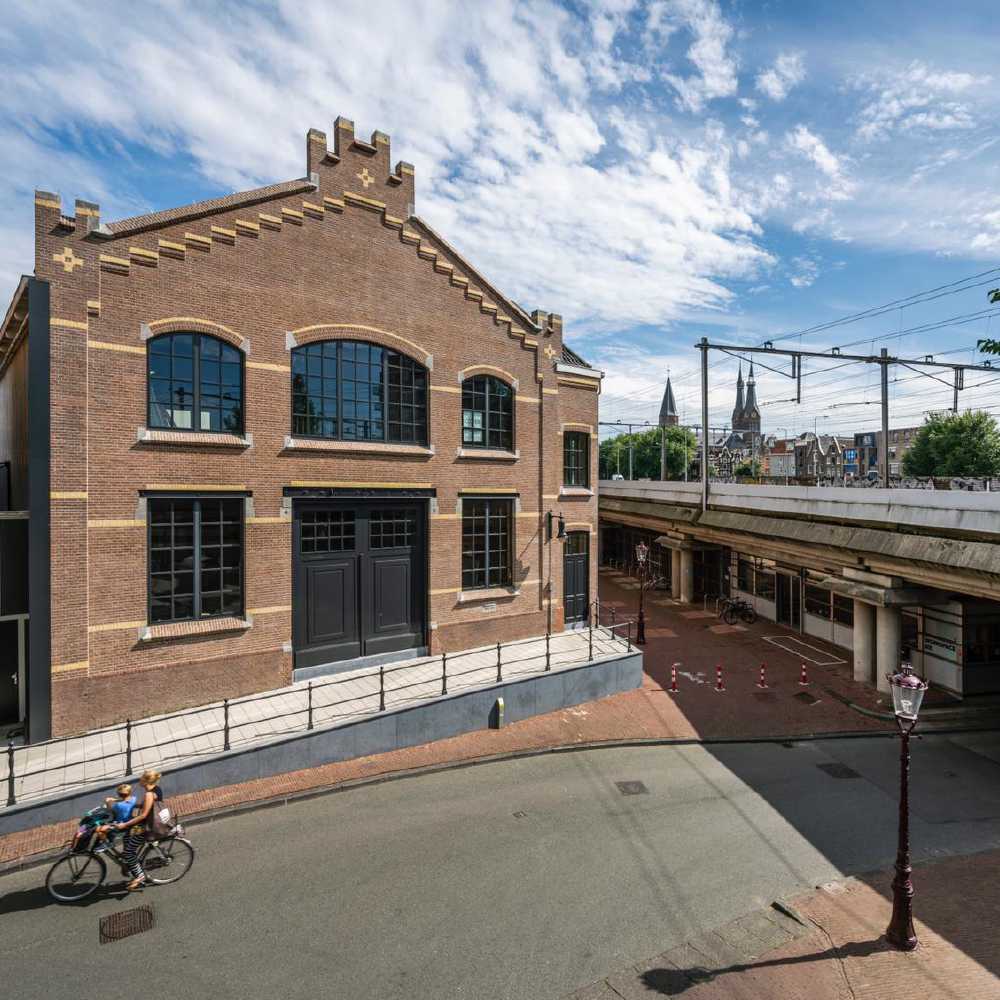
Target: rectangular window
{"points": [[744, 576], [195, 558], [391, 529], [576, 458], [326, 531], [764, 584], [843, 610], [817, 601], [486, 543]]}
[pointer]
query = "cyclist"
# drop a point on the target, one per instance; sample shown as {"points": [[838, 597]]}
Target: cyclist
{"points": [[136, 827]]}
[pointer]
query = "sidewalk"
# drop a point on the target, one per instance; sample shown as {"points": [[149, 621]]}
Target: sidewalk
{"points": [[839, 954]]}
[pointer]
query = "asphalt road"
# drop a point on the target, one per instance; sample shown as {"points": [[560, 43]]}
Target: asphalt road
{"points": [[512, 881]]}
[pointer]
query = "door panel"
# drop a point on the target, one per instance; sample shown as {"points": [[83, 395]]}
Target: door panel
{"points": [[359, 579], [576, 566], [9, 710]]}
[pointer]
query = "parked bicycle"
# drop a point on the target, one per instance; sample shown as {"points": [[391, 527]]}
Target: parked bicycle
{"points": [[81, 871], [734, 609]]}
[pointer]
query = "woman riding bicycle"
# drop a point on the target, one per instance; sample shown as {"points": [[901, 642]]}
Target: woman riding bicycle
{"points": [[135, 828]]}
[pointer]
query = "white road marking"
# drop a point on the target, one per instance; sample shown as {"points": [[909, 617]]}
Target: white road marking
{"points": [[797, 647]]}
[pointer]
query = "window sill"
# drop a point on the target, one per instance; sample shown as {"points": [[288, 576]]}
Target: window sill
{"points": [[491, 594], [358, 447], [489, 454], [575, 491], [202, 439], [181, 630]]}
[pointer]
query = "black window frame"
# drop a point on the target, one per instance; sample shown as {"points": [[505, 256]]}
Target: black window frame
{"points": [[490, 508], [576, 459], [197, 339], [394, 364], [489, 382], [197, 568]]}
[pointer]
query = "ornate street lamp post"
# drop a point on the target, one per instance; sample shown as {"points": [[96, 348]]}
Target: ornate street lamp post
{"points": [[907, 694], [641, 554]]}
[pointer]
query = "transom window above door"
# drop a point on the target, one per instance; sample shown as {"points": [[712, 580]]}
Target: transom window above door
{"points": [[354, 391], [487, 413], [195, 383]]}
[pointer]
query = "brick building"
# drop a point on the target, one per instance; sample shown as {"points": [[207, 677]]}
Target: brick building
{"points": [[286, 431]]}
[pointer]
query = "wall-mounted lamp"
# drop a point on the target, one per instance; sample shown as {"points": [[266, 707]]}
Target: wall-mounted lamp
{"points": [[560, 530]]}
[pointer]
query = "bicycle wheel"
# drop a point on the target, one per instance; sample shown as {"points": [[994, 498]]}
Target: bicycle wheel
{"points": [[749, 615], [75, 877], [168, 860], [729, 615]]}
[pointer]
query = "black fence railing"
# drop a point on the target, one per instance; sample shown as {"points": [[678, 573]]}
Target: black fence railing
{"points": [[76, 758]]}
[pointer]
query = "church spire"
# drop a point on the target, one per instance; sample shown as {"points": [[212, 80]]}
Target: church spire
{"points": [[738, 409], [668, 408], [751, 412]]}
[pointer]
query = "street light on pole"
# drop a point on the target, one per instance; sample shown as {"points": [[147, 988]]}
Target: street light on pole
{"points": [[641, 554], [907, 694]]}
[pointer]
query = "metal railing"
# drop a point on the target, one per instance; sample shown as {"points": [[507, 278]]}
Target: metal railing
{"points": [[113, 753]]}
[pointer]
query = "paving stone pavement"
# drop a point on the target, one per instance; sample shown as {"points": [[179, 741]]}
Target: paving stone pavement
{"points": [[840, 953]]}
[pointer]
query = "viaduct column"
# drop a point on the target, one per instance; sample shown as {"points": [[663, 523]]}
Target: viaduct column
{"points": [[864, 641], [687, 575], [675, 574], [889, 636]]}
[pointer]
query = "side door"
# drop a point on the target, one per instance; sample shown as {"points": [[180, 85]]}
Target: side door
{"points": [[576, 566]]}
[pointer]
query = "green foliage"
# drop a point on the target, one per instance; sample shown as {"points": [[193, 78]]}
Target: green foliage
{"points": [[747, 469], [646, 453], [955, 444], [991, 346]]}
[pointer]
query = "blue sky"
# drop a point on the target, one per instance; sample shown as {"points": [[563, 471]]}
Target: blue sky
{"points": [[655, 171]]}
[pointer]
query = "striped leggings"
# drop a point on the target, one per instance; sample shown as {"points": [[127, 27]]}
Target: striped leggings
{"points": [[130, 854]]}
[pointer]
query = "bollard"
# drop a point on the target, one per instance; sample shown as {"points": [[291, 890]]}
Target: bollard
{"points": [[225, 724], [803, 677], [612, 619], [11, 801], [673, 679], [590, 643], [128, 747], [719, 684], [309, 718], [444, 673], [499, 668], [547, 660], [762, 683], [628, 636], [381, 689]]}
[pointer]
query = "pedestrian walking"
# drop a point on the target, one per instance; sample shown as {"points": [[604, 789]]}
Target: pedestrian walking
{"points": [[135, 828]]}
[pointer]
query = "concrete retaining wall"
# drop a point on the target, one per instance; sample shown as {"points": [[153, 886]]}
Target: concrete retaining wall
{"points": [[421, 723]]}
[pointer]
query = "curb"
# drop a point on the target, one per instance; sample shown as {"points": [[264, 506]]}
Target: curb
{"points": [[278, 801]]}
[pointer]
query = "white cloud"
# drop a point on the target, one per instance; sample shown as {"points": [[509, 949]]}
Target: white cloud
{"points": [[917, 99], [804, 271], [611, 220], [787, 72], [836, 186]]}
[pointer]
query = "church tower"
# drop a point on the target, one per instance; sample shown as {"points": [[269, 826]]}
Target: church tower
{"points": [[751, 413], [738, 409]]}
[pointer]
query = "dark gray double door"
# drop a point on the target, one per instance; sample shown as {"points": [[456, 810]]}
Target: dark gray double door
{"points": [[576, 577], [359, 579]]}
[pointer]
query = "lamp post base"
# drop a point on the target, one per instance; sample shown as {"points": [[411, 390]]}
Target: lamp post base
{"points": [[640, 630], [900, 933]]}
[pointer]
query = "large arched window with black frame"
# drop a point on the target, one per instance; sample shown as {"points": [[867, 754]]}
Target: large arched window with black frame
{"points": [[487, 413], [351, 390], [194, 383]]}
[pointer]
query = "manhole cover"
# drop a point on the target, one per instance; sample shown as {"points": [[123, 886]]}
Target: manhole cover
{"points": [[838, 770], [806, 698], [765, 695], [632, 788], [126, 923]]}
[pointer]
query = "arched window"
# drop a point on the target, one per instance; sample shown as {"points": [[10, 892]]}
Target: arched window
{"points": [[352, 391], [195, 384], [487, 413]]}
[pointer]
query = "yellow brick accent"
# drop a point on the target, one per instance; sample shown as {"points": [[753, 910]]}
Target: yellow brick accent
{"points": [[143, 256], [359, 199], [335, 203], [273, 610], [116, 524], [110, 263], [267, 366], [68, 495], [244, 225], [68, 324], [197, 487], [116, 626], [66, 668], [223, 233], [103, 345], [304, 484], [271, 220], [291, 213], [199, 241]]}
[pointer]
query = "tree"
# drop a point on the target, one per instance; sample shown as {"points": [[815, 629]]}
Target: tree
{"points": [[955, 444], [747, 469], [681, 447], [991, 346]]}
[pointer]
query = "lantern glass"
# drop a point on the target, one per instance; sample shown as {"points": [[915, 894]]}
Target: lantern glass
{"points": [[641, 551], [907, 693]]}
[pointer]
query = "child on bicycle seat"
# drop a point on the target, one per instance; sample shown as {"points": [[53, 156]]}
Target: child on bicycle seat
{"points": [[121, 811]]}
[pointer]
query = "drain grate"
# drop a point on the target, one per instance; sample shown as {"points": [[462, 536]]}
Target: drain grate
{"points": [[838, 770], [806, 697], [632, 788], [126, 923]]}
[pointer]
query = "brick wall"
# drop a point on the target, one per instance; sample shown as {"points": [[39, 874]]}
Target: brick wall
{"points": [[335, 261]]}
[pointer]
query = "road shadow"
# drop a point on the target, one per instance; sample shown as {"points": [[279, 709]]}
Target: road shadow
{"points": [[38, 898], [672, 982]]}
